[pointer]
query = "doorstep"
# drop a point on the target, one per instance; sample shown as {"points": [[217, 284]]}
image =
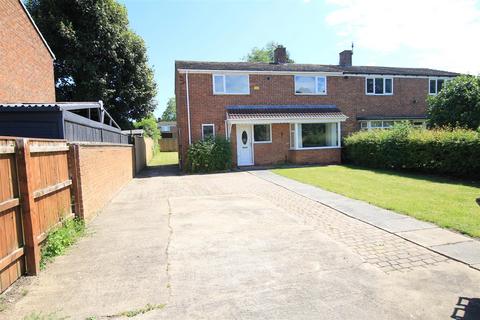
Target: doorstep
{"points": [[427, 235]]}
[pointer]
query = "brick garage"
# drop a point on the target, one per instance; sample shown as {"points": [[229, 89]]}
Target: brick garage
{"points": [[103, 170], [26, 63]]}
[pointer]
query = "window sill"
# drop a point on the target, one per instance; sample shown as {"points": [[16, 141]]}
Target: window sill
{"points": [[310, 94], [262, 142], [315, 148], [379, 94], [231, 94]]}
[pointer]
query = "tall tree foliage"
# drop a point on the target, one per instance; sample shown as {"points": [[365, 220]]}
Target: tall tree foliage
{"points": [[170, 113], [98, 56], [265, 54], [457, 104]]}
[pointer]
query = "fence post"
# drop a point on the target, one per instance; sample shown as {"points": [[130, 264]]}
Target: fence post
{"points": [[28, 208], [74, 165]]}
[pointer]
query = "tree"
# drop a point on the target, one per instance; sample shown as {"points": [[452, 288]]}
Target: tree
{"points": [[149, 126], [98, 56], [170, 113], [265, 54], [457, 104]]}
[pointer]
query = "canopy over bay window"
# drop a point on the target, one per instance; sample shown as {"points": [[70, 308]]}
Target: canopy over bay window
{"points": [[297, 127]]}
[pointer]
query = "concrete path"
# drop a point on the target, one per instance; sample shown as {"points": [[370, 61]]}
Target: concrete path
{"points": [[234, 246], [445, 242]]}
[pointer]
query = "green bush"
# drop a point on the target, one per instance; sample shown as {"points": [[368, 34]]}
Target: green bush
{"points": [[457, 104], [453, 152], [211, 155]]}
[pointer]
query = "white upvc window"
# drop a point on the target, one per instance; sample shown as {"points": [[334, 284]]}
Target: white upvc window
{"points": [[310, 85], [208, 131], [315, 135], [388, 124], [436, 84], [262, 133], [231, 84], [379, 86]]}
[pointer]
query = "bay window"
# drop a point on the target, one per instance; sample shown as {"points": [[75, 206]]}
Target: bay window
{"points": [[314, 135]]}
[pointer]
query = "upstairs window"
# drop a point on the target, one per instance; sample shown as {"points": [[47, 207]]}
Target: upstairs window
{"points": [[436, 84], [311, 85], [379, 86], [231, 84]]}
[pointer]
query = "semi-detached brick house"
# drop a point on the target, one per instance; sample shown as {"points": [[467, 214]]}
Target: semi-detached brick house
{"points": [[285, 112], [26, 61]]}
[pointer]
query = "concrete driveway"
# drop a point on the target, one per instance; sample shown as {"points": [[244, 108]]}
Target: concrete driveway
{"points": [[234, 246]]}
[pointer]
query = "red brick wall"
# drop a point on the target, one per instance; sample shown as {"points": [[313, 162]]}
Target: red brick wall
{"points": [[276, 151], [319, 156], [26, 66], [347, 93], [104, 170]]}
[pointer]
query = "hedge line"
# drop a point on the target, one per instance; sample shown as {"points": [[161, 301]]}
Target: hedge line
{"points": [[451, 152]]}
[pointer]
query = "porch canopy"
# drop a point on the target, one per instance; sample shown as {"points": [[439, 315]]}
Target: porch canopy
{"points": [[268, 114]]}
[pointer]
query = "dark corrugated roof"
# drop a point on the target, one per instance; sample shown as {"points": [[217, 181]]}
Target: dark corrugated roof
{"points": [[57, 106], [245, 109], [404, 117], [295, 67]]}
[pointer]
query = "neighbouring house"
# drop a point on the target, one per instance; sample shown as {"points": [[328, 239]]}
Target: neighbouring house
{"points": [[168, 134], [286, 112], [26, 61]]}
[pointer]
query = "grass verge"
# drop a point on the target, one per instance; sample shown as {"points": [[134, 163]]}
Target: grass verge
{"points": [[59, 239], [164, 158], [449, 203]]}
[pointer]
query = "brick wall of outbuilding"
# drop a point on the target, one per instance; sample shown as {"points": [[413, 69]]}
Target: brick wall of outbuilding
{"points": [[347, 93], [26, 66], [104, 170]]}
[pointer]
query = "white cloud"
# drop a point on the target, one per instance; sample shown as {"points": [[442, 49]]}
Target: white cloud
{"points": [[438, 33]]}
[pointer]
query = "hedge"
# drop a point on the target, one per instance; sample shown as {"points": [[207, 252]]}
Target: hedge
{"points": [[211, 155], [454, 152]]}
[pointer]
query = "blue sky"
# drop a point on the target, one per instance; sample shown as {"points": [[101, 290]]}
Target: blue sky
{"points": [[384, 32]]}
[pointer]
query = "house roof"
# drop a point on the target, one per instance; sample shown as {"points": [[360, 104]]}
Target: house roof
{"points": [[36, 29], [284, 113], [296, 67]]}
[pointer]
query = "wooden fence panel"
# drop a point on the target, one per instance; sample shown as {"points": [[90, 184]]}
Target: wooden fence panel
{"points": [[35, 196], [12, 264]]}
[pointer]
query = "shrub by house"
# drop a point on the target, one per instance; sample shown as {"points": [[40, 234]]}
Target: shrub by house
{"points": [[210, 155]]}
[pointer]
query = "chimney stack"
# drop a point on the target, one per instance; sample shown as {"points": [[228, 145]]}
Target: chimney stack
{"points": [[346, 58], [280, 55]]}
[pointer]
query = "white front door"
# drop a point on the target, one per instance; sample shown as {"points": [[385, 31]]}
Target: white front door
{"points": [[244, 145]]}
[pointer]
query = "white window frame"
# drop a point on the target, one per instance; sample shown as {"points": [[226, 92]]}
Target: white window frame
{"points": [[445, 80], [316, 93], [383, 127], [208, 125], [223, 75], [297, 132], [262, 124], [378, 94]]}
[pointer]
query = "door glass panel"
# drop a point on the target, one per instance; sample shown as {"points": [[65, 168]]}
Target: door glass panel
{"points": [[244, 137]]}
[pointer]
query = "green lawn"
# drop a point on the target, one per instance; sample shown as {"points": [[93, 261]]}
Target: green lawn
{"points": [[446, 202], [164, 158]]}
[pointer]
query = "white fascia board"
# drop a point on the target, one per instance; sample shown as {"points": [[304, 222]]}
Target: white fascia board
{"points": [[259, 72], [273, 121]]}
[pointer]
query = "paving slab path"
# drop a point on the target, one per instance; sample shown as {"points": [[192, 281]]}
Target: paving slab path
{"points": [[236, 246]]}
